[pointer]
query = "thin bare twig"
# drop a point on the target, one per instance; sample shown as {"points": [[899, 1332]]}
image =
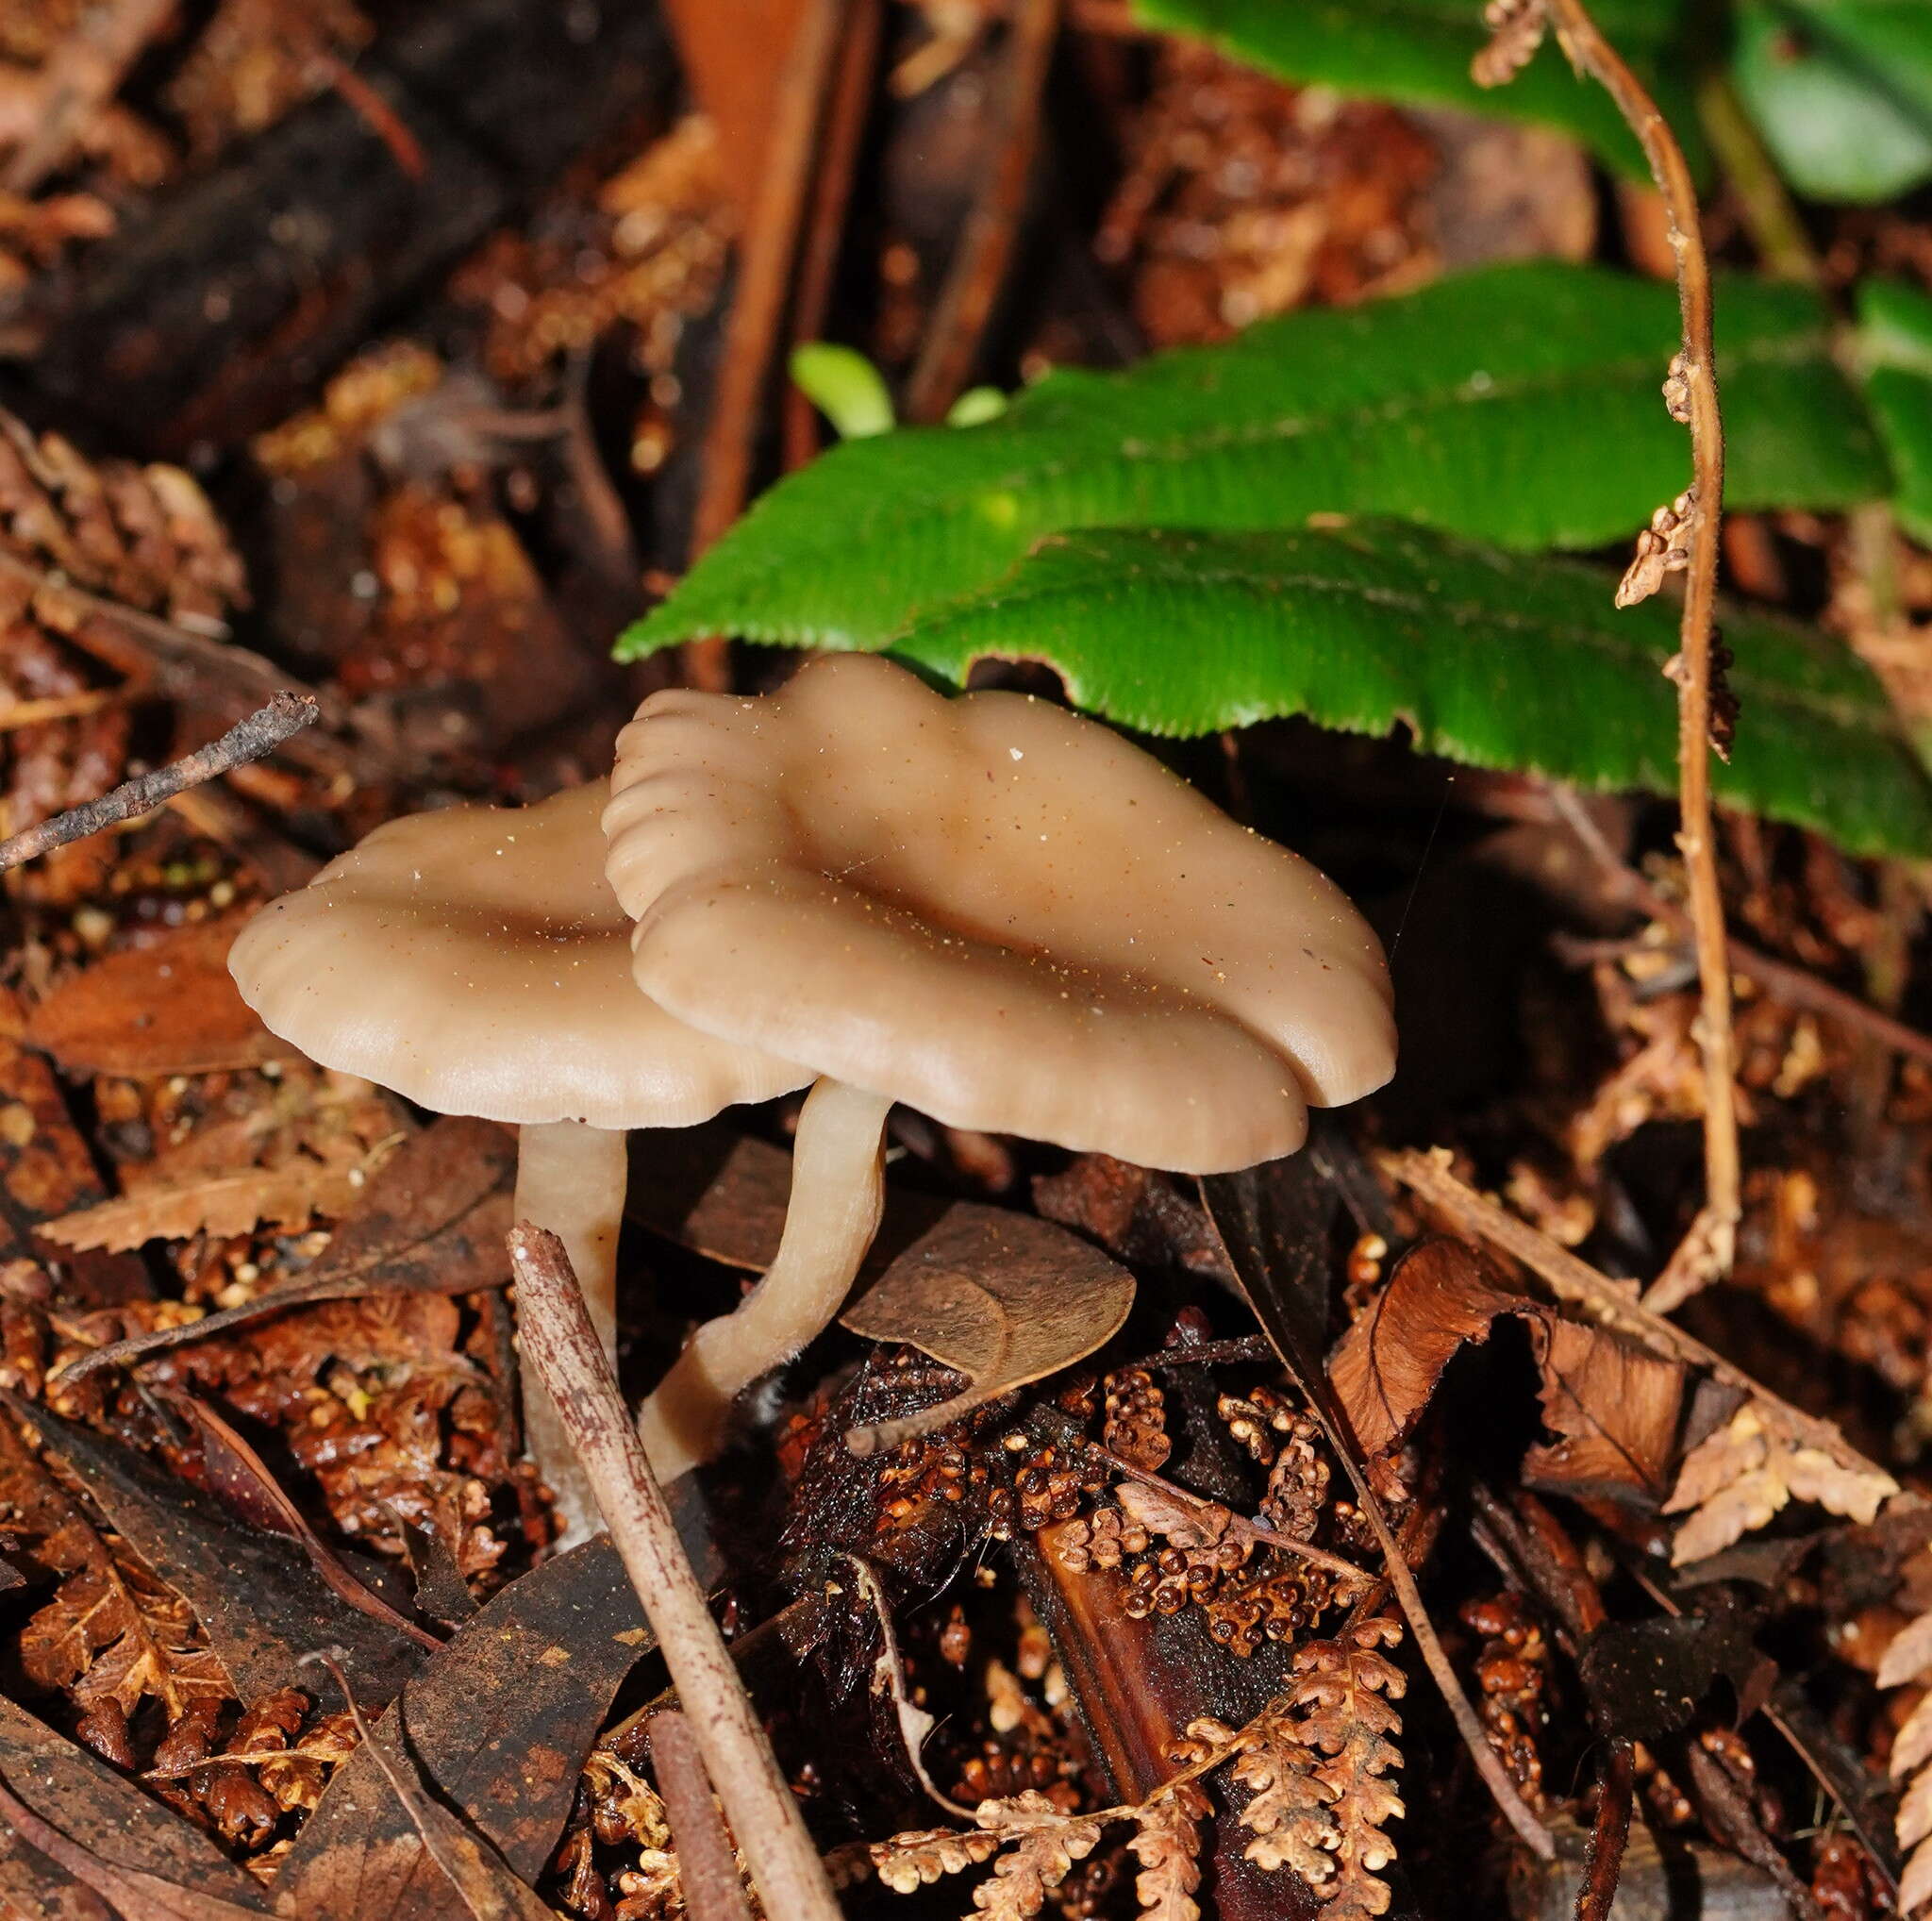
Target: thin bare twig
{"points": [[1795, 986], [375, 113], [199, 670], [1707, 1250], [568, 1355], [707, 1864], [261, 733], [758, 304], [1255, 1532], [979, 268]]}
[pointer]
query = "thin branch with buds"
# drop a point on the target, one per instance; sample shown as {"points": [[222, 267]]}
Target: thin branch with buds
{"points": [[264, 730], [1691, 538]]}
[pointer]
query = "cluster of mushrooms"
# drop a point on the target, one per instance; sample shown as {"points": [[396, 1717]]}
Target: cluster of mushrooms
{"points": [[987, 908]]}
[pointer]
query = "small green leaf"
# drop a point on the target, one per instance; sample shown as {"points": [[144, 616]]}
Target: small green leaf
{"points": [[975, 407], [1518, 404], [1895, 343], [846, 386], [1494, 659], [1418, 51], [1841, 91]]}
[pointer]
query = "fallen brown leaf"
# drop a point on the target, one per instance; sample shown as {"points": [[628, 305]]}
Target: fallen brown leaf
{"points": [[261, 1603], [1616, 1408], [1387, 1366], [305, 1143], [136, 1894], [1002, 1298], [499, 1724], [110, 1633], [432, 1221], [46, 1171], [166, 1009], [286, 1197], [106, 1816], [468, 1863], [236, 1466]]}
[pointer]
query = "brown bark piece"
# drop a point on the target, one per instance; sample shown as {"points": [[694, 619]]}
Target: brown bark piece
{"points": [[733, 53]]}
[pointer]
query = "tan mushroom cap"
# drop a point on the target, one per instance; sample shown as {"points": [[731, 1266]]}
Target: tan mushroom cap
{"points": [[475, 960], [996, 911]]}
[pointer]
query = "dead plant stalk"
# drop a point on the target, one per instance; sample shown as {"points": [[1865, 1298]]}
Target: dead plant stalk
{"points": [[558, 1339], [1707, 1250], [263, 731], [707, 1867]]}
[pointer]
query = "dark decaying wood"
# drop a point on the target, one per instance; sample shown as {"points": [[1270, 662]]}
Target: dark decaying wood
{"points": [[214, 315], [1137, 1685]]}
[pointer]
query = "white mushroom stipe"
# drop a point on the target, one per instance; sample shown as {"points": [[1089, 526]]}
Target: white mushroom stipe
{"points": [[571, 1179], [838, 1194], [475, 960]]}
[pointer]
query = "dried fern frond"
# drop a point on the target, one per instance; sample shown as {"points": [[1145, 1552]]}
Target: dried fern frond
{"points": [[1046, 1844], [918, 1857], [1317, 1762], [1735, 1479], [1167, 1843], [1345, 1691], [1906, 1663], [1288, 1815]]}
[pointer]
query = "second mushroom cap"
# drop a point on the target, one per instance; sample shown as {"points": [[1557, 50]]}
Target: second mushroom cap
{"points": [[996, 911]]}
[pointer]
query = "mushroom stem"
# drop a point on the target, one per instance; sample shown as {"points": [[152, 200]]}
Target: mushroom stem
{"points": [[837, 1192], [571, 1179]]}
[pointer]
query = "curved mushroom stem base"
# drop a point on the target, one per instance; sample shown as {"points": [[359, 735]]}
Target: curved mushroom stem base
{"points": [[571, 1179], [838, 1193]]}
